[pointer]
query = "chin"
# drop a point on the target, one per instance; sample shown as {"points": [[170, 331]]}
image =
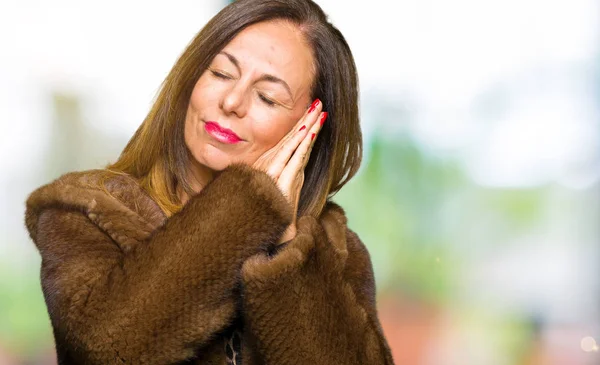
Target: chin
{"points": [[218, 165], [213, 158]]}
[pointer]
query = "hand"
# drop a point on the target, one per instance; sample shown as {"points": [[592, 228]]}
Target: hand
{"points": [[285, 162]]}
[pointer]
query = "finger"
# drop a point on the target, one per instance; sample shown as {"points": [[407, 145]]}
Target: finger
{"points": [[304, 155], [313, 109], [300, 157], [289, 145], [282, 156], [314, 134]]}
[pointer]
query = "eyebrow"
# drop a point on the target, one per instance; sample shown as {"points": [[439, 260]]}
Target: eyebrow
{"points": [[263, 77]]}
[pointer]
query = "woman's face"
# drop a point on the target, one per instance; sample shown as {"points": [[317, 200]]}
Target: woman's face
{"points": [[258, 87]]}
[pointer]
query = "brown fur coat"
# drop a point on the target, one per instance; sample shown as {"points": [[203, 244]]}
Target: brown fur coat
{"points": [[125, 285]]}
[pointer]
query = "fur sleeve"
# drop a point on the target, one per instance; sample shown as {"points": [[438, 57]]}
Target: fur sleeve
{"points": [[314, 302], [170, 295]]}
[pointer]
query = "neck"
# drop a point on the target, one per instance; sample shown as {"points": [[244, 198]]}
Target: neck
{"points": [[198, 176]]}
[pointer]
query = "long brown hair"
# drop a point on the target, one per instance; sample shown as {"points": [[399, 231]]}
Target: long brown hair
{"points": [[157, 155]]}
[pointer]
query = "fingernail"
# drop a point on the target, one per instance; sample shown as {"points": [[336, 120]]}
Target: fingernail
{"points": [[303, 128], [323, 117], [314, 105], [312, 136]]}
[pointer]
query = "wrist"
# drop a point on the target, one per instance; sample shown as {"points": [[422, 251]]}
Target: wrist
{"points": [[289, 233]]}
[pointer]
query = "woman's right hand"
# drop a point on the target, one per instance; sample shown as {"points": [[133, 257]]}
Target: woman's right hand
{"points": [[285, 162]]}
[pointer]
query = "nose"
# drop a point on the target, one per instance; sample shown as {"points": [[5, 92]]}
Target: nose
{"points": [[234, 100]]}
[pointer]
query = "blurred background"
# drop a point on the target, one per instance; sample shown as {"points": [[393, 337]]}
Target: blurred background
{"points": [[478, 197]]}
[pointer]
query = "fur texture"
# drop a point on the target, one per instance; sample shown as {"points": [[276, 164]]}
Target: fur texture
{"points": [[125, 285]]}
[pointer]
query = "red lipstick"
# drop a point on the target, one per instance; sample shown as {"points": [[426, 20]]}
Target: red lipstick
{"points": [[221, 134]]}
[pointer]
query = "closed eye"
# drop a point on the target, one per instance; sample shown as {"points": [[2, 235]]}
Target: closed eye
{"points": [[266, 100], [220, 75], [261, 96]]}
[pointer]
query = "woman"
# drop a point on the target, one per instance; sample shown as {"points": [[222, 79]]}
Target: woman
{"points": [[211, 239]]}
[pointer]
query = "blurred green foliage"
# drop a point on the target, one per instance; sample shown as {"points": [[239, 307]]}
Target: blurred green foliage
{"points": [[394, 205], [421, 215], [24, 323]]}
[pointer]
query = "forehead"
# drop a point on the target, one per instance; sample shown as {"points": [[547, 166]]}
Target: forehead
{"points": [[276, 47]]}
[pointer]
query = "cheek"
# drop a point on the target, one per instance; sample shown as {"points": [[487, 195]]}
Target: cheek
{"points": [[201, 93], [198, 103], [268, 131]]}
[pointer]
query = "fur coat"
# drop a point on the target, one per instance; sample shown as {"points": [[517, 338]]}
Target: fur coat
{"points": [[123, 284]]}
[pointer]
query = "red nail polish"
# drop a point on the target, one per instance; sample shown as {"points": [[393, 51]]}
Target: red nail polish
{"points": [[314, 105], [303, 128], [323, 117], [312, 137]]}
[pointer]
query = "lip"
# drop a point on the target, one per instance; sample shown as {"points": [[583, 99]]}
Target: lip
{"points": [[221, 134]]}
